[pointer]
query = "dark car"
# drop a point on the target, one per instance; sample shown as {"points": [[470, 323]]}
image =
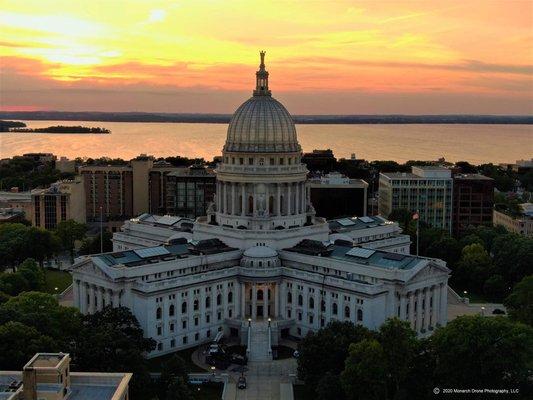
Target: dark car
{"points": [[238, 359], [241, 383]]}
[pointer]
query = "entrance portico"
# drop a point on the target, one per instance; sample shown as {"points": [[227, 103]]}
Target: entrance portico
{"points": [[260, 300]]}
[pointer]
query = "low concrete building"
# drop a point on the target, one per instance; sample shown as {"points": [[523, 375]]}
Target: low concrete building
{"points": [[521, 224], [17, 201], [47, 376]]}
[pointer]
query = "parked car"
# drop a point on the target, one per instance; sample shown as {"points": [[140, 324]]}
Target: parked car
{"points": [[238, 359], [241, 383]]}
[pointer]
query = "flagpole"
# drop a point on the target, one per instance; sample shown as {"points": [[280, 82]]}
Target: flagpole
{"points": [[417, 231]]}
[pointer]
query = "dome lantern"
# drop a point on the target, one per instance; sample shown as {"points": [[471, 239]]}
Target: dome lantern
{"points": [[261, 77]]}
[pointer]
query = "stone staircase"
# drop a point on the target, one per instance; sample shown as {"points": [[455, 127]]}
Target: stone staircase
{"points": [[259, 343]]}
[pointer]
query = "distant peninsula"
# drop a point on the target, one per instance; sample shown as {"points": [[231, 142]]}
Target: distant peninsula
{"points": [[63, 129], [299, 119]]}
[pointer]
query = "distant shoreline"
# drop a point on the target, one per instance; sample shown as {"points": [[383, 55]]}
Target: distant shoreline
{"points": [[299, 119]]}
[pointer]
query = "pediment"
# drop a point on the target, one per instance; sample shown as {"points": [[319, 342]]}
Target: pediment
{"points": [[429, 271], [90, 269]]}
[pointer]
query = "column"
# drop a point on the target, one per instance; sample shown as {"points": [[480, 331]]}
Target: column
{"points": [[243, 199], [107, 297], [116, 298], [254, 211], [279, 199], [412, 310], [302, 198], [267, 207], [266, 301], [435, 311], [403, 315], [254, 301], [243, 300], [224, 300], [219, 197], [83, 298], [443, 303], [91, 299], [289, 209], [426, 316], [419, 311], [276, 300], [296, 199], [233, 208], [225, 194]]}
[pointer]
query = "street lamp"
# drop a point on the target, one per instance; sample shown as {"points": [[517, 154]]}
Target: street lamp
{"points": [[482, 311], [269, 320], [249, 322]]}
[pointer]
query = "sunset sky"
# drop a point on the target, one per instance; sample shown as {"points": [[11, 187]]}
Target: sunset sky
{"points": [[324, 57]]}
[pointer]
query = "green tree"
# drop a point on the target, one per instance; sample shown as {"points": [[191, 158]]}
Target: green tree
{"points": [[92, 245], [447, 249], [172, 369], [13, 283], [474, 267], [178, 389], [12, 244], [329, 387], [42, 244], [33, 273], [401, 215], [327, 349], [513, 257], [495, 288], [42, 312], [400, 346], [68, 232], [365, 371], [475, 351], [520, 302], [112, 340], [19, 342]]}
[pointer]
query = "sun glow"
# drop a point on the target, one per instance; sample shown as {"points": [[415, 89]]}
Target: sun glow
{"points": [[374, 47]]}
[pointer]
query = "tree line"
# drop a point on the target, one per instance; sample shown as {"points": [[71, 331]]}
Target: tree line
{"points": [[344, 361]]}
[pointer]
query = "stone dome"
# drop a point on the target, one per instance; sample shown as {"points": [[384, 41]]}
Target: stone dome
{"points": [[260, 257], [262, 124]]}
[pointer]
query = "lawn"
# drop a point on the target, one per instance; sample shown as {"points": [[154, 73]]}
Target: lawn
{"points": [[154, 364], [56, 279]]}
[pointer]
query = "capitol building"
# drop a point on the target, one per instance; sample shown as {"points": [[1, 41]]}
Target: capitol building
{"points": [[261, 265]]}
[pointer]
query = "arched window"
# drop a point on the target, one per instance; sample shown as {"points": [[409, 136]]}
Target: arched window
{"points": [[359, 315], [219, 299], [196, 305], [346, 312], [311, 303], [184, 307], [334, 309], [158, 313], [323, 306], [271, 205], [250, 205], [300, 300], [269, 292], [230, 297], [281, 204], [260, 294], [171, 310], [207, 302], [289, 297]]}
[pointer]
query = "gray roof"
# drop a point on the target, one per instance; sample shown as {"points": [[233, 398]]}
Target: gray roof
{"points": [[262, 124], [354, 223]]}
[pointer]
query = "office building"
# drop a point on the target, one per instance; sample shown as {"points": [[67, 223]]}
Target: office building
{"points": [[334, 195], [473, 202], [521, 223], [427, 190], [61, 201]]}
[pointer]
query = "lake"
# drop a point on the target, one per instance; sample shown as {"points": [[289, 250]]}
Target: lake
{"points": [[455, 142]]}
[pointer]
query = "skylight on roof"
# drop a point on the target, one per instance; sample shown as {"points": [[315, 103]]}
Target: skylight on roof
{"points": [[168, 220], [151, 252], [360, 252], [346, 222], [366, 220]]}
